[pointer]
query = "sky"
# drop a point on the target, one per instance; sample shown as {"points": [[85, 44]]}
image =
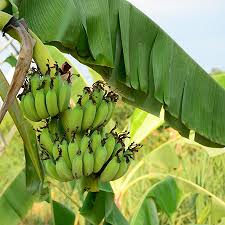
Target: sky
{"points": [[198, 26]]}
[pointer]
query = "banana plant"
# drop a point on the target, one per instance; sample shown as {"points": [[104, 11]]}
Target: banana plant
{"points": [[142, 67], [150, 71]]}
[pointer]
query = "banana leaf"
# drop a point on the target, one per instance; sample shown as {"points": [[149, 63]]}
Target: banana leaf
{"points": [[141, 124], [61, 214], [220, 78], [15, 201], [135, 56], [172, 191], [28, 135], [165, 194]]}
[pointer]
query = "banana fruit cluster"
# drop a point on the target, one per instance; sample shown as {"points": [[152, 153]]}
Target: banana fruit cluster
{"points": [[93, 110], [94, 153], [73, 142], [44, 96]]}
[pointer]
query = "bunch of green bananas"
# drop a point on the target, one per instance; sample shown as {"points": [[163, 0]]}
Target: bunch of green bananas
{"points": [[73, 143], [93, 154], [44, 96], [93, 110]]}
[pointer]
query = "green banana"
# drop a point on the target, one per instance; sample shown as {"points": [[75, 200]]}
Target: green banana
{"points": [[112, 98], [110, 143], [24, 110], [96, 140], [57, 83], [101, 114], [103, 132], [51, 102], [46, 83], [50, 169], [54, 129], [63, 170], [84, 143], [56, 151], [98, 95], [65, 154], [64, 96], [77, 165], [73, 148], [72, 119], [111, 107], [100, 158], [76, 118], [29, 107], [124, 165], [86, 95], [46, 140], [88, 162], [40, 104], [35, 82], [89, 114], [110, 170], [118, 146]]}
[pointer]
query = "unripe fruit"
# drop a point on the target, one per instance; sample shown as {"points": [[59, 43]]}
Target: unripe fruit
{"points": [[46, 140], [88, 162], [35, 82], [110, 145], [51, 102], [73, 148], [111, 170], [40, 104], [100, 158], [89, 114], [63, 170], [56, 151], [50, 169], [101, 114], [64, 96], [96, 140], [29, 107], [77, 166], [123, 167], [65, 155], [84, 143]]}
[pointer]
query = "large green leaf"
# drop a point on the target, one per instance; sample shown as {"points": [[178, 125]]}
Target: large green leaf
{"points": [[141, 124], [61, 214], [137, 57], [220, 78], [26, 131], [167, 204], [146, 214], [15, 201], [165, 194], [100, 205]]}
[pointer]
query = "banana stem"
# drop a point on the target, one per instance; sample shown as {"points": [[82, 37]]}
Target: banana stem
{"points": [[89, 184], [41, 54]]}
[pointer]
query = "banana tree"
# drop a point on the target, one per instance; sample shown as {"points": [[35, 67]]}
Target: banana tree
{"points": [[146, 67]]}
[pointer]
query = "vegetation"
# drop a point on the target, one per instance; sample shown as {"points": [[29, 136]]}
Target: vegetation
{"points": [[173, 180]]}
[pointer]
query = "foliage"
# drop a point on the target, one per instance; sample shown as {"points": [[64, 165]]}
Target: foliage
{"points": [[178, 178], [142, 62]]}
